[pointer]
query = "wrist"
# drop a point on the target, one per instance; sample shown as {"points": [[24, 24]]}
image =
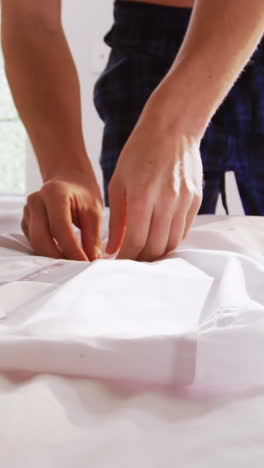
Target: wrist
{"points": [[184, 102], [59, 154], [67, 168]]}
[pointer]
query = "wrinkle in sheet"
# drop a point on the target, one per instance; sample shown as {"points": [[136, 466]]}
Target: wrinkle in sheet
{"points": [[194, 318]]}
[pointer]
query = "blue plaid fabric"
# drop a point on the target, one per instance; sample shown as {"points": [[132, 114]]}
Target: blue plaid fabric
{"points": [[144, 41]]}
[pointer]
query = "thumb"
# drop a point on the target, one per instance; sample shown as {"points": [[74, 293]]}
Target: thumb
{"points": [[117, 204], [90, 225]]}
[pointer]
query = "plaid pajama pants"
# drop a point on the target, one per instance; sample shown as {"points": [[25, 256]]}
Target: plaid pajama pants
{"points": [[144, 41]]}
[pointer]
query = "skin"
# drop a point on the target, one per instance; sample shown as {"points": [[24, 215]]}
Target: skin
{"points": [[161, 157]]}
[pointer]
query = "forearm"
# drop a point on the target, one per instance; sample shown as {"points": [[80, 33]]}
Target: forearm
{"points": [[219, 42], [45, 87]]}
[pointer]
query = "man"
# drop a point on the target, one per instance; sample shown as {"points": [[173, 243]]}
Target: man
{"points": [[166, 77]]}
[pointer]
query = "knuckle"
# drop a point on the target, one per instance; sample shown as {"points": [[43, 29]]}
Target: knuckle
{"points": [[171, 186], [198, 190], [198, 194], [24, 226], [54, 189], [189, 187], [187, 194], [92, 216], [197, 201], [145, 184], [31, 199], [169, 195], [185, 183], [96, 210], [140, 198], [25, 211]]}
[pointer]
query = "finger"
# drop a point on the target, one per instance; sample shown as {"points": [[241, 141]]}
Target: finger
{"points": [[117, 205], [177, 229], [60, 223], [192, 215], [158, 235], [38, 232], [139, 214], [91, 226], [25, 221]]}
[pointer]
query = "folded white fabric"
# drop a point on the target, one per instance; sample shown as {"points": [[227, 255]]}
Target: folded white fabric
{"points": [[115, 319], [196, 317]]}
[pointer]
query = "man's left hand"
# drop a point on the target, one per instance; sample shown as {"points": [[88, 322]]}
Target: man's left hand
{"points": [[156, 190]]}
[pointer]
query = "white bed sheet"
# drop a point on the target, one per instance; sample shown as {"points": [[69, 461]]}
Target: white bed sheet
{"points": [[62, 422]]}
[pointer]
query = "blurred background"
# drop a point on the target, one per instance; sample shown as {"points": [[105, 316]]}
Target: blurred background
{"points": [[12, 142], [85, 25]]}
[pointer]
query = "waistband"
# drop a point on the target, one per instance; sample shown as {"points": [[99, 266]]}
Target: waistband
{"points": [[137, 16]]}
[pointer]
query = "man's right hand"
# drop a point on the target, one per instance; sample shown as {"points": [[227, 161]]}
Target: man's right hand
{"points": [[50, 213], [45, 85]]}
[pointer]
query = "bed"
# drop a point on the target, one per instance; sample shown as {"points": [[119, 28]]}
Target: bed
{"points": [[118, 363]]}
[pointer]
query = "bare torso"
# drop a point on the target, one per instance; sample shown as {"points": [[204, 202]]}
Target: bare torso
{"points": [[176, 3]]}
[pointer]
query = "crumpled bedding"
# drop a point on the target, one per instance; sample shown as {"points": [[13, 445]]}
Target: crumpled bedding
{"points": [[215, 417], [194, 318]]}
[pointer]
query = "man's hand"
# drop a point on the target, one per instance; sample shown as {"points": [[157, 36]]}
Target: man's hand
{"points": [[155, 192], [45, 85], [50, 213], [156, 189]]}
